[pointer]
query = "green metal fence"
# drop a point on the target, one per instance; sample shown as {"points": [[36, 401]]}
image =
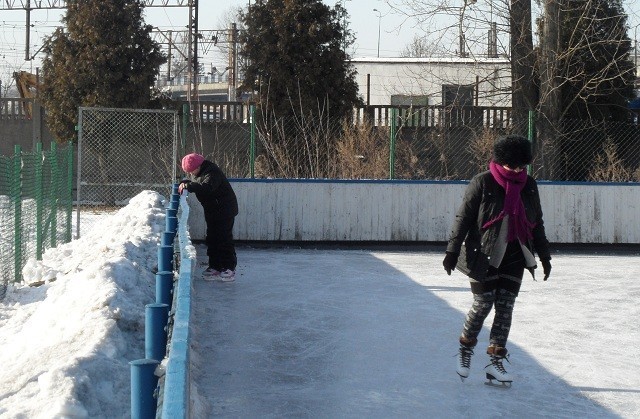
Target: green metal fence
{"points": [[35, 206]]}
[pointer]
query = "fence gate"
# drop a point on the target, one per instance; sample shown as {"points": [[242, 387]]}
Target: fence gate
{"points": [[122, 152]]}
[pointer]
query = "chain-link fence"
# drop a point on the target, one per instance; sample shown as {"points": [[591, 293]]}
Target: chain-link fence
{"points": [[433, 143], [122, 152], [221, 131], [35, 206], [597, 151]]}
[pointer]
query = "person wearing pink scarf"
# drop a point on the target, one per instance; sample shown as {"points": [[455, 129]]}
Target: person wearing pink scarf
{"points": [[496, 233]]}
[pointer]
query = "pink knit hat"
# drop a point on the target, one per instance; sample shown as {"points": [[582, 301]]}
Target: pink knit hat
{"points": [[191, 162]]}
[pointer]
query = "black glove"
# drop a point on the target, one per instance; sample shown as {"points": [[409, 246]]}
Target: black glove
{"points": [[184, 184], [450, 261], [546, 268]]}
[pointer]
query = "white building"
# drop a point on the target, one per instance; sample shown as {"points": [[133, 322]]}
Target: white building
{"points": [[434, 81]]}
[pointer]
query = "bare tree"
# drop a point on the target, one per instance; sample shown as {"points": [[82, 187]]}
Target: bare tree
{"points": [[480, 31], [419, 47]]}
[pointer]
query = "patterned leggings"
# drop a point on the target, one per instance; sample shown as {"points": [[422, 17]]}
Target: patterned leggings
{"points": [[503, 301]]}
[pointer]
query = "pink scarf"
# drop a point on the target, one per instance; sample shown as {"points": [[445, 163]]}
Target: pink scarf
{"points": [[513, 183]]}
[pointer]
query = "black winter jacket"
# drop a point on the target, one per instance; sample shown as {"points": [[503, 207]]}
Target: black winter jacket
{"points": [[214, 192], [483, 201]]}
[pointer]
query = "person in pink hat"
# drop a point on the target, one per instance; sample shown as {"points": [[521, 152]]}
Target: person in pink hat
{"points": [[213, 190]]}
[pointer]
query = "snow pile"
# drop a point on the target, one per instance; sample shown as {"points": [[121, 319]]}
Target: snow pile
{"points": [[67, 343]]}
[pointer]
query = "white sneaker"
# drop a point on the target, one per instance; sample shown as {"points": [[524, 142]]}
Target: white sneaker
{"points": [[210, 274], [227, 275]]}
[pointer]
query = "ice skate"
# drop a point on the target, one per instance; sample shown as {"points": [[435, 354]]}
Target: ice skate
{"points": [[464, 357], [497, 376], [464, 361]]}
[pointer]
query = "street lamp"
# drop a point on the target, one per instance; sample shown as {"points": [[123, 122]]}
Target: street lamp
{"points": [[379, 21]]}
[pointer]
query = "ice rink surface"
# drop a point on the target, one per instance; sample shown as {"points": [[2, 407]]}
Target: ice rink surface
{"points": [[328, 333]]}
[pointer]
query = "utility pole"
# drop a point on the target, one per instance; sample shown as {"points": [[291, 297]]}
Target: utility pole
{"points": [[192, 90], [169, 56], [27, 27]]}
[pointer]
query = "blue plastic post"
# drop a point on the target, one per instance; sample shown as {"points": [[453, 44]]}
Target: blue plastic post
{"points": [[171, 212], [171, 224], [175, 197], [168, 238], [155, 334], [164, 287], [174, 188], [174, 205], [165, 258], [143, 386]]}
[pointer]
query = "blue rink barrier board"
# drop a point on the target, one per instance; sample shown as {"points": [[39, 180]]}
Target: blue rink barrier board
{"points": [[176, 397]]}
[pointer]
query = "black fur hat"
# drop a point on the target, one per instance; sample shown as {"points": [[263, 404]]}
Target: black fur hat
{"points": [[513, 151]]}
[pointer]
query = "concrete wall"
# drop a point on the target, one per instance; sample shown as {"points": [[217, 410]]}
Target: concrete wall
{"points": [[291, 210]]}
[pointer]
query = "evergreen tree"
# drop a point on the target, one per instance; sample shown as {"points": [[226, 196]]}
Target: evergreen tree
{"points": [[104, 57], [595, 65], [296, 55]]}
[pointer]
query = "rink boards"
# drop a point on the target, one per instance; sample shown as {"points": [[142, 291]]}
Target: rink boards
{"points": [[388, 211]]}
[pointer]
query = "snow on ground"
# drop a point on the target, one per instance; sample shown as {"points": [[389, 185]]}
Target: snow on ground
{"points": [[380, 328], [67, 344]]}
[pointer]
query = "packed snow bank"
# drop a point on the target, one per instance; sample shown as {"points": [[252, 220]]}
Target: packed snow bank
{"points": [[67, 344]]}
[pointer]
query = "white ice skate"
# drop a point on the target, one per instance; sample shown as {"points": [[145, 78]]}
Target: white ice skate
{"points": [[497, 376], [464, 361]]}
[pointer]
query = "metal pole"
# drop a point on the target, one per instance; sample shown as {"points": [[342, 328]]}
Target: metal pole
{"points": [[39, 193], [16, 194], [252, 122], [79, 175], [164, 287], [392, 144], [143, 386], [155, 334], [69, 204], [171, 224], [185, 124], [54, 193], [28, 32], [165, 257], [379, 22]]}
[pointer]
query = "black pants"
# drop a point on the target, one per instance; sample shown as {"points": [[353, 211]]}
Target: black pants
{"points": [[220, 247]]}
